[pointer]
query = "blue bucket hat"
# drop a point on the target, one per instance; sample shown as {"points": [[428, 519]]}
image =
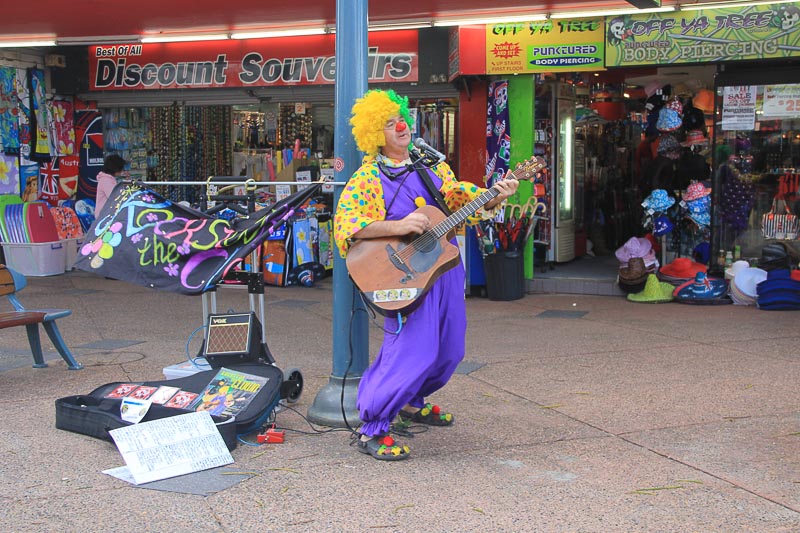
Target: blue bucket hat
{"points": [[662, 226], [701, 219], [658, 201], [668, 120]]}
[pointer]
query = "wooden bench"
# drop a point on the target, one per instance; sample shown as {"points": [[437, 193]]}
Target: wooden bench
{"points": [[11, 283]]}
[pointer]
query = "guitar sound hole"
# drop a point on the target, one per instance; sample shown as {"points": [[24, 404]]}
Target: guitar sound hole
{"points": [[425, 244]]}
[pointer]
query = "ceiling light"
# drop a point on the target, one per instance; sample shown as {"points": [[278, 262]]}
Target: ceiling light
{"points": [[27, 43], [278, 33], [723, 5], [492, 20], [98, 39], [400, 26], [610, 12], [177, 37]]}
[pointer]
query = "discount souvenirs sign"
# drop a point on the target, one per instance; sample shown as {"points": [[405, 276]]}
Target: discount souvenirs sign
{"points": [[308, 60]]}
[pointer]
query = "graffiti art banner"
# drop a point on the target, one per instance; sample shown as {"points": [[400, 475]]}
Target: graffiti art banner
{"points": [[545, 46], [708, 35], [141, 237]]}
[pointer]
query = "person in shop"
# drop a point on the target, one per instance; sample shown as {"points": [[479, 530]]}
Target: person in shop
{"points": [[419, 352], [113, 170]]}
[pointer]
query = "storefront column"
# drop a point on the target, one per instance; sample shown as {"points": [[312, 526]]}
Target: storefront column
{"points": [[521, 94], [350, 334]]}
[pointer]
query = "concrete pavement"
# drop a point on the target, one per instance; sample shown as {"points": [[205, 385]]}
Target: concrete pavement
{"points": [[574, 413]]}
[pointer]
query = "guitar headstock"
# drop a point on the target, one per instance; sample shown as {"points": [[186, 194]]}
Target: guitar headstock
{"points": [[528, 169]]}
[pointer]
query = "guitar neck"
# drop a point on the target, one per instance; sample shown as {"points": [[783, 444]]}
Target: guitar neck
{"points": [[524, 170], [442, 228]]}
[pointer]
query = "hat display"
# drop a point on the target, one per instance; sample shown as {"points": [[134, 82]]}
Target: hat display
{"points": [[654, 292], [675, 105], [635, 272], [704, 101], [694, 137], [695, 191], [636, 247], [743, 286], [778, 291], [662, 226], [778, 280], [658, 201], [702, 290], [693, 118], [747, 280], [702, 219], [735, 268], [683, 267], [668, 143], [668, 120], [774, 256], [681, 89]]}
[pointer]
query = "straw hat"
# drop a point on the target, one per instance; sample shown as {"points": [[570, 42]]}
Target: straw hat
{"points": [[634, 273], [654, 292]]}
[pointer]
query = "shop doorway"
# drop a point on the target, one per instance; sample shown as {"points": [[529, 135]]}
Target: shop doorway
{"points": [[617, 167]]}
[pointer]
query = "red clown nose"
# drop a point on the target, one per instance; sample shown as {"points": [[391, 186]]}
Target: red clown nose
{"points": [[400, 126]]}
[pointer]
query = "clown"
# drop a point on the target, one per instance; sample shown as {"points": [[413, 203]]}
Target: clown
{"points": [[420, 352]]}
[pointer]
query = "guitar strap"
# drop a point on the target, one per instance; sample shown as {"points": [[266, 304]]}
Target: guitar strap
{"points": [[424, 173]]}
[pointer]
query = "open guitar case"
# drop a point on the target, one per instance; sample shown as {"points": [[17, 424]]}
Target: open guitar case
{"points": [[95, 415]]}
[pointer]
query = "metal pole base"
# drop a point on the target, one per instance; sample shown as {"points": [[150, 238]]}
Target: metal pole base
{"points": [[327, 407]]}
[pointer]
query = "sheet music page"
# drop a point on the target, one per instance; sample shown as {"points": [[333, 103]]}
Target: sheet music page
{"points": [[170, 447]]}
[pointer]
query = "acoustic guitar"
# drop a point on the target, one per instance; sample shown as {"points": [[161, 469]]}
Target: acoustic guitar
{"points": [[394, 273]]}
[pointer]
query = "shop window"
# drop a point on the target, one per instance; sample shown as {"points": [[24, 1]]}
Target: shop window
{"points": [[757, 168]]}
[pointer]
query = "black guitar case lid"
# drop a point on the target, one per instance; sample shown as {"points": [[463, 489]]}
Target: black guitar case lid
{"points": [[95, 415]]}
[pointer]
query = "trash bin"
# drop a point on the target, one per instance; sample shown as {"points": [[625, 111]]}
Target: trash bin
{"points": [[505, 275]]}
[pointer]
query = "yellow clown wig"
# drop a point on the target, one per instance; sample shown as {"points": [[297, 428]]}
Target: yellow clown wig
{"points": [[370, 114]]}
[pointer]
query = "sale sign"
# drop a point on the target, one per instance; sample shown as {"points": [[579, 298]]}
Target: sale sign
{"points": [[781, 101], [739, 108], [308, 60]]}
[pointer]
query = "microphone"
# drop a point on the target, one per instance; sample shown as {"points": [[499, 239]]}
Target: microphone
{"points": [[429, 150]]}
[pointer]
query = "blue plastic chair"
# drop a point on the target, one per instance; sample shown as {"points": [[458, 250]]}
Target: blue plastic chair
{"points": [[49, 323]]}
